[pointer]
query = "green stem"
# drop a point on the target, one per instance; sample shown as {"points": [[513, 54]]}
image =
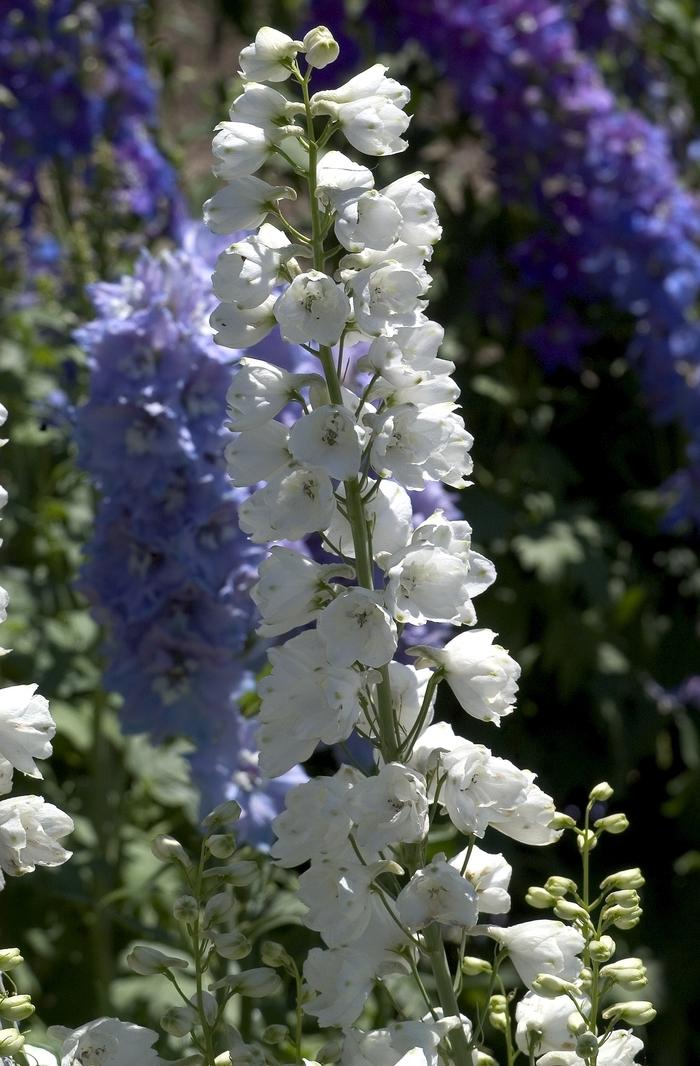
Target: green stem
{"points": [[199, 952], [446, 994]]}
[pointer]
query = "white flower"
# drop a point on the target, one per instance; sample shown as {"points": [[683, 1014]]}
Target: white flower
{"points": [[368, 83], [330, 438], [544, 1022], [258, 391], [243, 204], [339, 178], [490, 876], [247, 272], [541, 946], [320, 47], [338, 893], [426, 583], [620, 1048], [355, 627], [316, 823], [239, 149], [296, 501], [240, 327], [372, 220], [408, 687], [269, 57], [257, 453], [411, 349], [416, 445], [374, 125], [305, 699], [291, 589], [342, 978], [313, 307], [30, 830], [390, 1046], [416, 204], [386, 297], [482, 675], [529, 818], [261, 106], [389, 512], [4, 600], [5, 776], [437, 893], [107, 1042], [389, 808], [26, 728]]}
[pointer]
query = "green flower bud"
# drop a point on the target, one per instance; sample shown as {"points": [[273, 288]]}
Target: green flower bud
{"points": [[16, 1008], [273, 954], [224, 1059], [612, 823], [331, 1051], [586, 839], [256, 983], [178, 1021], [275, 1034], [480, 1058], [629, 973], [622, 917], [499, 1004], [624, 897], [221, 845], [321, 47], [546, 984], [239, 873], [570, 911], [168, 849], [216, 908], [634, 1012], [601, 792], [11, 1041], [148, 961], [539, 898], [603, 949], [586, 1045], [471, 965], [231, 945], [623, 879], [9, 958], [560, 886], [499, 1021], [225, 814], [209, 1006], [562, 821], [185, 909]]}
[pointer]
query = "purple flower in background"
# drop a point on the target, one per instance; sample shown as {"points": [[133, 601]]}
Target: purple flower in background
{"points": [[612, 220], [75, 79], [168, 571]]}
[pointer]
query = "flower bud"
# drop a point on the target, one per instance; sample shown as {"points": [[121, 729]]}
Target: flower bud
{"points": [[562, 821], [480, 1058], [16, 1008], [498, 1020], [586, 1045], [498, 1003], [623, 879], [546, 984], [570, 911], [225, 814], [257, 982], [603, 949], [148, 961], [239, 873], [275, 1034], [273, 954], [585, 978], [9, 958], [231, 945], [224, 1059], [178, 1021], [217, 908], [586, 840], [11, 1041], [612, 823], [539, 898], [185, 909], [331, 1051], [209, 1005], [221, 845], [634, 1012], [471, 965], [560, 886], [600, 793], [629, 973], [168, 849], [624, 897], [321, 47]]}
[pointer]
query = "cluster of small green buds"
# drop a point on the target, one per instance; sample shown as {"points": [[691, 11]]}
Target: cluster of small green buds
{"points": [[498, 1013]]}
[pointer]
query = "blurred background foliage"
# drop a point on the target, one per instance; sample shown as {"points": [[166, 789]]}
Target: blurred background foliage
{"points": [[597, 593]]}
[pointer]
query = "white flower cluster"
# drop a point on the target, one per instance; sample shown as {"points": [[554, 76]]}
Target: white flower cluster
{"points": [[30, 828], [324, 458]]}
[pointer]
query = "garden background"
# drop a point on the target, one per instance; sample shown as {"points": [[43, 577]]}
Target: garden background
{"points": [[563, 141]]}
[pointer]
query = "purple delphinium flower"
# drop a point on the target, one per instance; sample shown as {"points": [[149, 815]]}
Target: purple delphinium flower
{"points": [[614, 221], [168, 571], [75, 77]]}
